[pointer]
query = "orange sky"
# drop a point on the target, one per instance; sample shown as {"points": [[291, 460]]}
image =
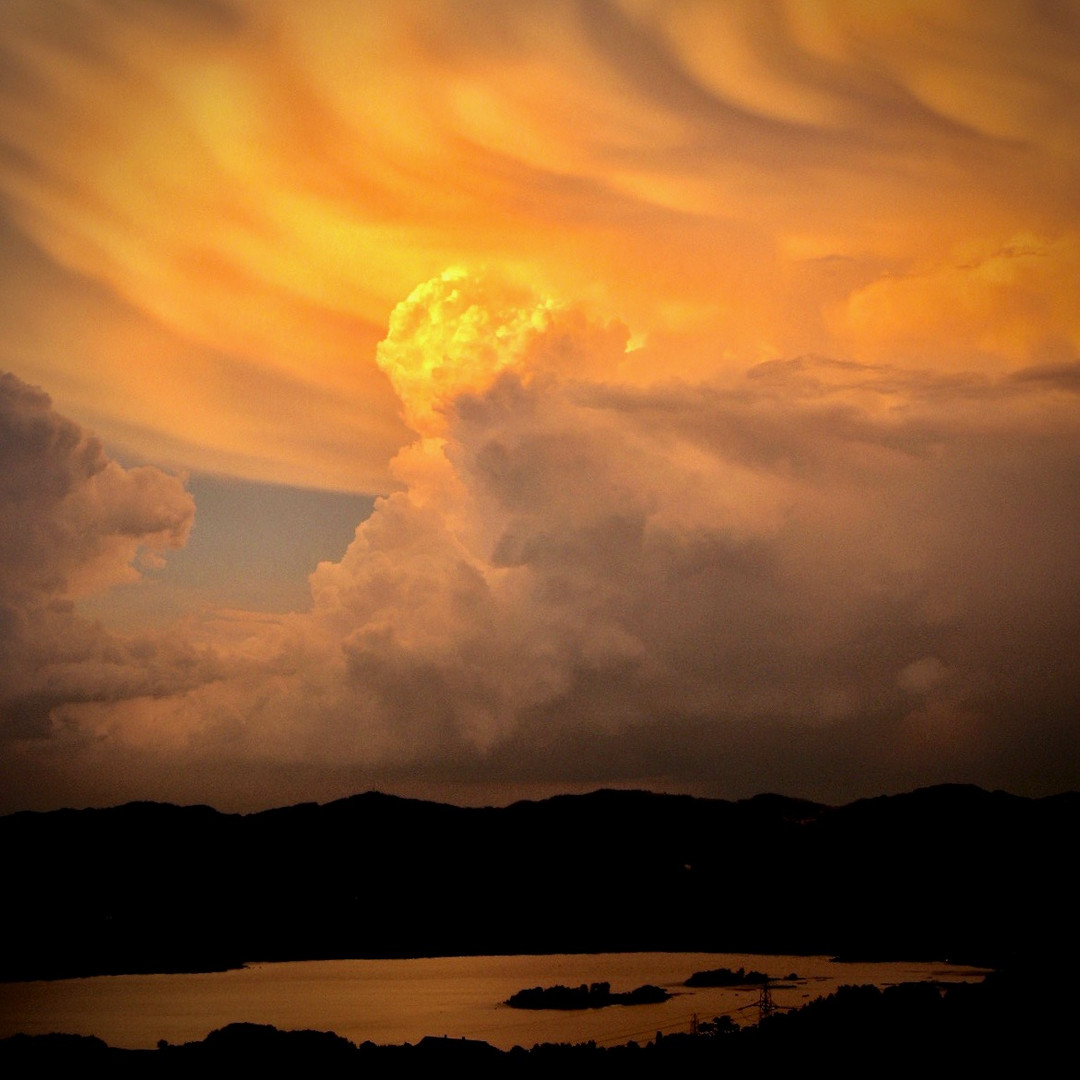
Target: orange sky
{"points": [[716, 364]]}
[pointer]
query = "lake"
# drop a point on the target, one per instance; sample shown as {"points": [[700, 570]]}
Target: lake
{"points": [[397, 1001]]}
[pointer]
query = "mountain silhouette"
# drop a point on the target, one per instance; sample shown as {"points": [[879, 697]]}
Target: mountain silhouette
{"points": [[950, 872]]}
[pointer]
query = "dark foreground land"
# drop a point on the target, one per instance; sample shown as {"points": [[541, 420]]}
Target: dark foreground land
{"points": [[1020, 1019], [948, 872]]}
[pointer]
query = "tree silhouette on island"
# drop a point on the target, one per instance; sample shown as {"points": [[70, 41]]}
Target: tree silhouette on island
{"points": [[597, 995]]}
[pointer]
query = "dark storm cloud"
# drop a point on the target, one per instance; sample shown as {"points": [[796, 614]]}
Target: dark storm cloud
{"points": [[1061, 376], [858, 574], [73, 522]]}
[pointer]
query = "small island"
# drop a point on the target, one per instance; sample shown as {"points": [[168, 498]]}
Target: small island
{"points": [[726, 977], [594, 996]]}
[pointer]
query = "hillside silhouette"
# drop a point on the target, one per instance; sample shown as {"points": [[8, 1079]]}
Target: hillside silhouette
{"points": [[950, 872]]}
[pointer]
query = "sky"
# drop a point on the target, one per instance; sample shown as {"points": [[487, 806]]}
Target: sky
{"points": [[486, 399]]}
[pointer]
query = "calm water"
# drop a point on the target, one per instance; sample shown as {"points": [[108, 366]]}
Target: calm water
{"points": [[396, 1001]]}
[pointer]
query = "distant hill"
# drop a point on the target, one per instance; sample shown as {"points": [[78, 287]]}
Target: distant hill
{"points": [[945, 872]]}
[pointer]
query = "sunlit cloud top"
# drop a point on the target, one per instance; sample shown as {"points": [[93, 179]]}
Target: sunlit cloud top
{"points": [[244, 191]]}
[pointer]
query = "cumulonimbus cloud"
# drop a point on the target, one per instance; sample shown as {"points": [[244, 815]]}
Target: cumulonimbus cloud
{"points": [[822, 556], [72, 523]]}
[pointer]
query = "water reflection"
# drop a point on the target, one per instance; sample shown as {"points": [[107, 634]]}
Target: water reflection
{"points": [[396, 1001]]}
